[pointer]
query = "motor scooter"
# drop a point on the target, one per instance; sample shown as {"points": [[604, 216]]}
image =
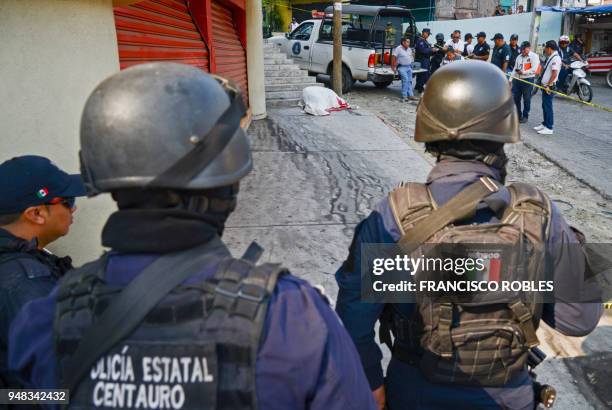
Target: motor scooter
{"points": [[576, 81]]}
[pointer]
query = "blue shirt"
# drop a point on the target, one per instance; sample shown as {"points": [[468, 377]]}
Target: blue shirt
{"points": [[422, 49], [446, 180], [26, 273], [501, 55], [306, 359]]}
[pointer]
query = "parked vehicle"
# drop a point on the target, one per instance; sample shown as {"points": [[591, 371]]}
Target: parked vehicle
{"points": [[369, 34], [576, 81]]}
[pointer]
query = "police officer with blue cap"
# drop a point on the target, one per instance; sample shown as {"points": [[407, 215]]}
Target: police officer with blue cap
{"points": [[423, 51], [37, 203], [447, 355], [168, 318]]}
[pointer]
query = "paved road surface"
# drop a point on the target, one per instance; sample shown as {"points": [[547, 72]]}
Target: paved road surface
{"points": [[582, 142]]}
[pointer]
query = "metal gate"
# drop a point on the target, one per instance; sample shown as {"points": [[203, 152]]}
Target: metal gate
{"points": [[230, 56], [159, 30]]}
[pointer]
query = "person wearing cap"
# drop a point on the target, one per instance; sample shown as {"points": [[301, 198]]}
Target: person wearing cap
{"points": [[465, 130], [169, 318], [525, 68], [455, 42], [550, 74], [514, 51], [423, 51], [567, 54], [482, 49], [37, 203], [500, 56], [468, 47]]}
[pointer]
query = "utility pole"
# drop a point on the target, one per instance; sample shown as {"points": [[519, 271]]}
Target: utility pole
{"points": [[534, 27], [337, 64]]}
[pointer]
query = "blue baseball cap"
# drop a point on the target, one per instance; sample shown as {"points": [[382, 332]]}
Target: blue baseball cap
{"points": [[31, 180]]}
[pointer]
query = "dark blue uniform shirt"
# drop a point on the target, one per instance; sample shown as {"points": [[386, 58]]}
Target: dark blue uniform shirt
{"points": [[306, 359], [482, 49], [423, 51], [26, 273], [501, 55], [406, 386]]}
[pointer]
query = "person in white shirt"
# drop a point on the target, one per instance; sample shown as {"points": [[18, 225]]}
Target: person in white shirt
{"points": [[525, 69], [401, 63], [455, 42], [468, 47], [293, 25], [550, 73]]}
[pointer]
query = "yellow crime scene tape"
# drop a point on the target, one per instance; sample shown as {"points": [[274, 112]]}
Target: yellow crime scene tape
{"points": [[545, 89]]}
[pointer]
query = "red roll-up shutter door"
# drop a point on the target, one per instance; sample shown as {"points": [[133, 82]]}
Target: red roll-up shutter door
{"points": [[159, 30], [230, 56]]}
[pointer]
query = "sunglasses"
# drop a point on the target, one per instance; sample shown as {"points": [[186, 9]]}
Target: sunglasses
{"points": [[68, 202]]}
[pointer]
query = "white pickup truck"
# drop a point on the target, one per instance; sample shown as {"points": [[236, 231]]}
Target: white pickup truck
{"points": [[369, 35]]}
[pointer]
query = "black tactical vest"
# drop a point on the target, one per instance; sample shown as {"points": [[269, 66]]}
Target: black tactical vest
{"points": [[195, 350]]}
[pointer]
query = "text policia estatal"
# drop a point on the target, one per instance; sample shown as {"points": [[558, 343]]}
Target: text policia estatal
{"points": [[477, 274], [156, 382]]}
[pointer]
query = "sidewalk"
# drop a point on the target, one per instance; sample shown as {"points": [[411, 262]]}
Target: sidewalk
{"points": [[314, 179]]}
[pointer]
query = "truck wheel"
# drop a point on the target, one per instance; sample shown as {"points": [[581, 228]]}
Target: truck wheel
{"points": [[347, 80], [382, 84]]}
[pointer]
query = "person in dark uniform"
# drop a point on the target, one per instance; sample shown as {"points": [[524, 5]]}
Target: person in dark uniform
{"points": [[501, 53], [423, 51], [578, 46], [469, 149], [482, 49], [168, 318], [515, 50], [438, 54], [37, 203]]}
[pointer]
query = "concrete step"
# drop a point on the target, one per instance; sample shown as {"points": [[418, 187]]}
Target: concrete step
{"points": [[271, 80], [276, 67], [280, 103], [277, 60], [273, 56], [290, 87], [296, 72], [283, 95]]}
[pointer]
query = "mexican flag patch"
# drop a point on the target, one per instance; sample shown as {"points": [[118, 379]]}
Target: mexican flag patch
{"points": [[42, 193], [492, 267]]}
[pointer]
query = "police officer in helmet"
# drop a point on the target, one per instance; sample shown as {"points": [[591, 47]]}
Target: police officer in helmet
{"points": [[465, 130], [438, 54], [168, 318]]}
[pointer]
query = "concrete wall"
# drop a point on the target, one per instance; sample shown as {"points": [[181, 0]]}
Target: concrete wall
{"points": [[549, 29], [52, 54]]}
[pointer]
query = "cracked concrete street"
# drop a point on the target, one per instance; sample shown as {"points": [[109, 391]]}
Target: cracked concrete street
{"points": [[315, 178]]}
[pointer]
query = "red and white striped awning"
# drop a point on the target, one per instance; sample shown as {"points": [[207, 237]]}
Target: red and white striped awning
{"points": [[600, 64]]}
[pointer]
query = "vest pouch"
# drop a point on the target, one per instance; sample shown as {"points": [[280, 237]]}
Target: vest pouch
{"points": [[484, 353]]}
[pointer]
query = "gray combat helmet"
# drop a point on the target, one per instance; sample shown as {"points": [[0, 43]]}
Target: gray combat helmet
{"points": [[163, 125], [467, 100]]}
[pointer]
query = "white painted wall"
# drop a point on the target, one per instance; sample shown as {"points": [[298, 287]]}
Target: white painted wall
{"points": [[52, 54], [550, 26]]}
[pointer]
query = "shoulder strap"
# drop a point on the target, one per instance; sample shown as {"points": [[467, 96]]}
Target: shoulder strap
{"points": [[131, 306], [527, 201], [409, 203], [459, 207]]}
